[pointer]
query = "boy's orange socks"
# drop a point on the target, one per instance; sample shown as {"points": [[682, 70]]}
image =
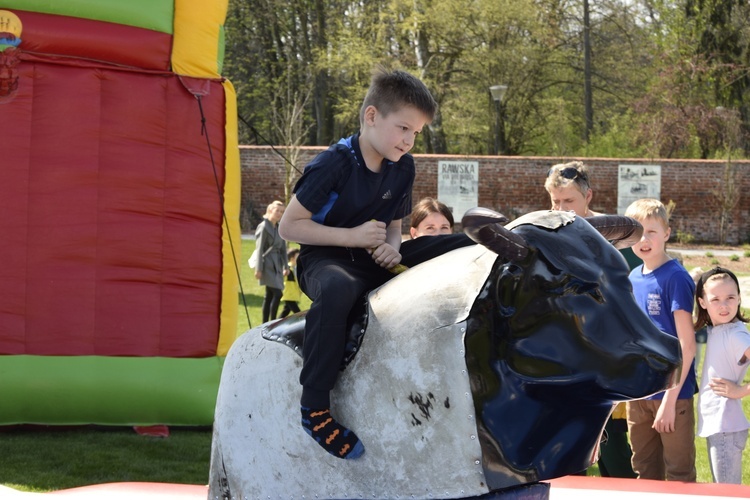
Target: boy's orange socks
{"points": [[332, 436]]}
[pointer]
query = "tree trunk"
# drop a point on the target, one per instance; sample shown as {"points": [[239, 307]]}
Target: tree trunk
{"points": [[587, 98]]}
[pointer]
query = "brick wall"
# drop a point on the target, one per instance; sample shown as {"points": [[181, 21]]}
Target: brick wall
{"points": [[514, 186]]}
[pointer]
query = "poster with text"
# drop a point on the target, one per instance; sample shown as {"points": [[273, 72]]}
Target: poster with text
{"points": [[635, 182], [458, 186]]}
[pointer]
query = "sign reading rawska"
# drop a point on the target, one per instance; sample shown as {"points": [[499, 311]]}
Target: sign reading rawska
{"points": [[458, 186]]}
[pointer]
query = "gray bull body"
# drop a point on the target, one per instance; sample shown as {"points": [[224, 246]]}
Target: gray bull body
{"points": [[491, 366]]}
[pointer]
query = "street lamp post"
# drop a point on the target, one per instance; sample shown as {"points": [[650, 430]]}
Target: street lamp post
{"points": [[498, 92]]}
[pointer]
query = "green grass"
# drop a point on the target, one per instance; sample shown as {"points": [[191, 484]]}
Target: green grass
{"points": [[41, 458]]}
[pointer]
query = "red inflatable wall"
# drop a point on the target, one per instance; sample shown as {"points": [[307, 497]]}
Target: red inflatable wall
{"points": [[111, 227]]}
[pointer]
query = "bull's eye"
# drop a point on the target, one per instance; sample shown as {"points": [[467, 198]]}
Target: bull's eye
{"points": [[596, 294], [579, 287]]}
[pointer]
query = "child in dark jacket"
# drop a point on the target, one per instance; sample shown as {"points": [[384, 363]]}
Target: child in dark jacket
{"points": [[346, 214]]}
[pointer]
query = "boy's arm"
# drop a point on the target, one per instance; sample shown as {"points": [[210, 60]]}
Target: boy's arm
{"points": [[387, 255], [297, 225], [664, 421], [393, 234]]}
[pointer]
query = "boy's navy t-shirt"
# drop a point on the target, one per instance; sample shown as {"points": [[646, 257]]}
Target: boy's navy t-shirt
{"points": [[341, 191], [659, 294]]}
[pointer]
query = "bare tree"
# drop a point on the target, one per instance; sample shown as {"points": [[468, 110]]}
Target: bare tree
{"points": [[726, 196], [291, 127], [727, 193], [588, 105]]}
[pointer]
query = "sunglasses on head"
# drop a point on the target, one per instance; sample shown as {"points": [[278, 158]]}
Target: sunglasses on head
{"points": [[568, 173]]}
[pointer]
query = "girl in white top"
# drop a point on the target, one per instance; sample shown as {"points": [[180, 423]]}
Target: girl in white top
{"points": [[720, 417]]}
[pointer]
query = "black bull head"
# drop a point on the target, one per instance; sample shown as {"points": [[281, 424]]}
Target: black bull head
{"points": [[554, 339]]}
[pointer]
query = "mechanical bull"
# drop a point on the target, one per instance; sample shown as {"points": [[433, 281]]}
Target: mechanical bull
{"points": [[492, 366]]}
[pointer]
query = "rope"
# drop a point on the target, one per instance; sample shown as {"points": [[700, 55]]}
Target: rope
{"points": [[204, 132], [267, 142]]}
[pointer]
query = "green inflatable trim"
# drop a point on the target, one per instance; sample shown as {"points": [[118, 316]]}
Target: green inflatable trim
{"points": [[222, 49], [157, 15], [77, 390]]}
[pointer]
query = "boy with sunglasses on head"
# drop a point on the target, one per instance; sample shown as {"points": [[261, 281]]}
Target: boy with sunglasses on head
{"points": [[569, 188], [346, 214]]}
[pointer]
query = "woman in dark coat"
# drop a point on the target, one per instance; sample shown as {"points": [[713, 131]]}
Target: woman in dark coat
{"points": [[272, 262]]}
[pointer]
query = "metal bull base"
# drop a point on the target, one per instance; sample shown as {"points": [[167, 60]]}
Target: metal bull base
{"points": [[415, 416]]}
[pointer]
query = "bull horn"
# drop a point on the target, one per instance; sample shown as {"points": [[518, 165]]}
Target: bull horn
{"points": [[485, 226], [621, 231]]}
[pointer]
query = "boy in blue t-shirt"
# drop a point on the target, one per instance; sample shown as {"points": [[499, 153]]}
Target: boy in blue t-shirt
{"points": [[662, 427], [346, 215]]}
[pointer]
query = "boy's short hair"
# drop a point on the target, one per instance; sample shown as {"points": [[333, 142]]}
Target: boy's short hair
{"points": [[292, 252], [566, 174], [648, 207], [427, 206], [392, 90]]}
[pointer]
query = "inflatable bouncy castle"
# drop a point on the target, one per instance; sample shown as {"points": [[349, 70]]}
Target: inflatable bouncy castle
{"points": [[119, 202]]}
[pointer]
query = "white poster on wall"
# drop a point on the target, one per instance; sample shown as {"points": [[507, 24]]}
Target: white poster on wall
{"points": [[635, 182], [458, 186]]}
